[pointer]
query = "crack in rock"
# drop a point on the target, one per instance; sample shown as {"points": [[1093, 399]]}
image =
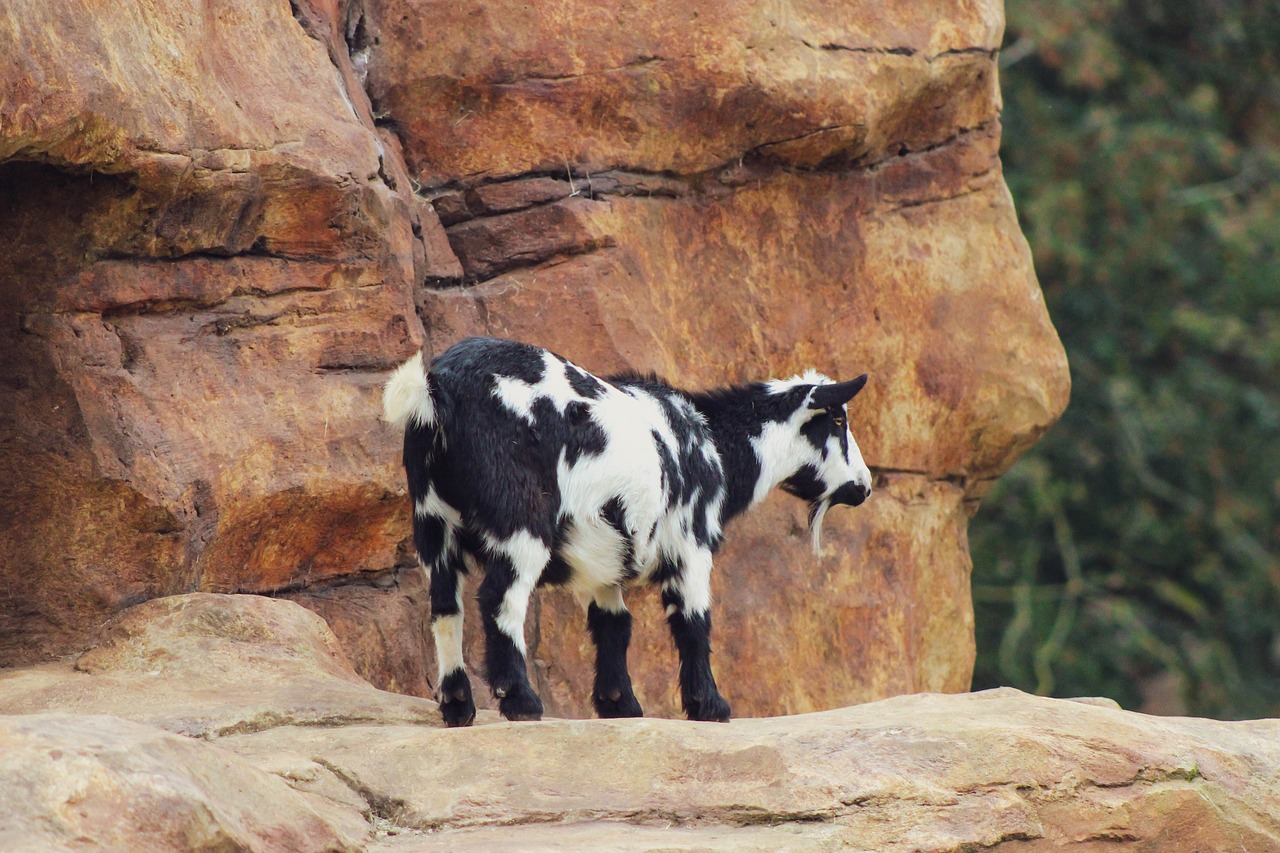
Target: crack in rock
{"points": [[639, 62], [269, 720], [381, 809], [989, 52]]}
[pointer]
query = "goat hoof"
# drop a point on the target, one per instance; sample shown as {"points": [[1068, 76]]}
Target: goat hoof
{"points": [[456, 705], [458, 714], [520, 705], [618, 704], [712, 709]]}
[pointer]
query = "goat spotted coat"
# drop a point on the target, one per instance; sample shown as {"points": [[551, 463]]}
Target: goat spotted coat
{"points": [[541, 473]]}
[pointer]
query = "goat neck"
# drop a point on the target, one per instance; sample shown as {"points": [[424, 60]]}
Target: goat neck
{"points": [[753, 434]]}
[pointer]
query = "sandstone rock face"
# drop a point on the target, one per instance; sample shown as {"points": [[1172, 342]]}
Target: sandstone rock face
{"points": [[208, 269], [998, 770], [222, 222]]}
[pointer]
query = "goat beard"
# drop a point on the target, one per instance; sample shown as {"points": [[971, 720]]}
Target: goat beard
{"points": [[817, 511]]}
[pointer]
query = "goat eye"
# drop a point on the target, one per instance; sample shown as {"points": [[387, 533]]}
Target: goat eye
{"points": [[839, 419]]}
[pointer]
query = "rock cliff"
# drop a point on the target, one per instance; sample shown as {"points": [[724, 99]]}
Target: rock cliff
{"points": [[234, 722], [222, 222]]}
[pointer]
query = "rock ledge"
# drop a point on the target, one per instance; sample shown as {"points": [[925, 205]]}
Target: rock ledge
{"points": [[289, 750]]}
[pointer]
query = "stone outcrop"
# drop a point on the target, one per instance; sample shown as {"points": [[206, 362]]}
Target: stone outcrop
{"points": [[329, 763], [222, 222], [207, 272], [209, 665]]}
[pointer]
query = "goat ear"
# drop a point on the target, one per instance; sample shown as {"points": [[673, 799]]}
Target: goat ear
{"points": [[826, 396]]}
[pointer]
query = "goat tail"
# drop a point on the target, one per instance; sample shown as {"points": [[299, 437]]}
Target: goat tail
{"points": [[407, 396]]}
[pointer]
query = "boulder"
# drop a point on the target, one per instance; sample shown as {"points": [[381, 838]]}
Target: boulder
{"points": [[326, 761], [207, 665], [223, 222]]}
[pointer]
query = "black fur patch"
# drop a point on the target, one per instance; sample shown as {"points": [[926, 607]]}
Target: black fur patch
{"points": [[428, 537], [615, 514], [456, 703], [583, 383], [557, 572], [818, 429], [503, 663], [805, 484], [444, 586], [699, 696], [579, 435], [492, 357]]}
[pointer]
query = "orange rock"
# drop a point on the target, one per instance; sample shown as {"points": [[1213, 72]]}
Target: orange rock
{"points": [[218, 235]]}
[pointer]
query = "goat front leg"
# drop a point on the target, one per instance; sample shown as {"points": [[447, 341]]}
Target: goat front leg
{"points": [[687, 599], [610, 625], [512, 569]]}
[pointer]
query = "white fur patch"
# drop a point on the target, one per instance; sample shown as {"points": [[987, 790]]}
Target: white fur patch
{"points": [[529, 556], [837, 468], [447, 631], [714, 507], [594, 551], [815, 527], [693, 584], [861, 473], [516, 395], [654, 418], [609, 599], [628, 469], [432, 505], [519, 396], [781, 451], [525, 551], [809, 377]]}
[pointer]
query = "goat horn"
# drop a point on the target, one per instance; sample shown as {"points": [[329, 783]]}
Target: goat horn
{"points": [[826, 396]]}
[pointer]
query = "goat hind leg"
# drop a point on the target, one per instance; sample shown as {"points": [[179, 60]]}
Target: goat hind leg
{"points": [[435, 537], [511, 572], [453, 691]]}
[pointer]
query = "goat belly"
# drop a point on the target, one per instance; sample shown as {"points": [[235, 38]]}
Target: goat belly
{"points": [[610, 504]]}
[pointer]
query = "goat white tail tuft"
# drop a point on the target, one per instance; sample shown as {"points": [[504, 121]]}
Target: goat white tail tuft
{"points": [[407, 396]]}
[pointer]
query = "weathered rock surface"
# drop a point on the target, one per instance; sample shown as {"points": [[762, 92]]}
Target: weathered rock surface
{"points": [[222, 222], [998, 770], [208, 268], [207, 665], [88, 782]]}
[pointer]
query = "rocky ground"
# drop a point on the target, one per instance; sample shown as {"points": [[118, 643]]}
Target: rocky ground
{"points": [[234, 722]]}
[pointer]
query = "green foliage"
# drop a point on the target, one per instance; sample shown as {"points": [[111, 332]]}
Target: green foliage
{"points": [[1135, 552]]}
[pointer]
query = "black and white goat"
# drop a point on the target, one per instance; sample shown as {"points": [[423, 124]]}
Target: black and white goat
{"points": [[545, 474]]}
